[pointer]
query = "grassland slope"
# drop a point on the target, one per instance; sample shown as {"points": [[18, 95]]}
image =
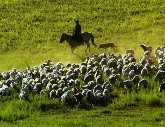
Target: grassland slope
{"points": [[31, 29]]}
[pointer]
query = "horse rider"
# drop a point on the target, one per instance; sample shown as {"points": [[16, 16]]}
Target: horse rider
{"points": [[77, 33]]}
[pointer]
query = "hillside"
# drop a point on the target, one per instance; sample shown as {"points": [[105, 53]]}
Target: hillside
{"points": [[31, 30]]}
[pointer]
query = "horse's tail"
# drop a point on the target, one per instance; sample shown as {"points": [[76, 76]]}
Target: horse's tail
{"points": [[92, 39]]}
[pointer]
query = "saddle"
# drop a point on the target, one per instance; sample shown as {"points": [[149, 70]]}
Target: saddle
{"points": [[78, 38]]}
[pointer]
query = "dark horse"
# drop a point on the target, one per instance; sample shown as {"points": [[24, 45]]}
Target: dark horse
{"points": [[73, 44]]}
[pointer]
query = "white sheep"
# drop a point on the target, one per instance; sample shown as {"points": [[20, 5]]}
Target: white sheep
{"points": [[129, 51]]}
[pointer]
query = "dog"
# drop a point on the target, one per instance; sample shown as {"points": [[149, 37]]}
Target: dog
{"points": [[107, 45]]}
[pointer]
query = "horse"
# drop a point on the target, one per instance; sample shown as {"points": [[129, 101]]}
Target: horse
{"points": [[74, 44]]}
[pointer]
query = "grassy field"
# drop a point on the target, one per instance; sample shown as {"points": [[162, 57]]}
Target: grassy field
{"points": [[30, 34], [31, 30]]}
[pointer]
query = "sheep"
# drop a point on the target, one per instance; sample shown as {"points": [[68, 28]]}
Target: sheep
{"points": [[129, 51], [99, 79], [162, 87], [143, 84], [131, 74], [97, 87], [103, 61], [106, 96], [107, 86], [4, 90], [23, 95], [68, 98], [159, 52], [112, 63], [112, 79], [160, 75], [88, 77], [37, 88], [106, 71], [146, 48], [91, 84], [136, 79], [127, 84], [59, 92], [49, 86], [52, 94], [78, 97], [143, 59], [90, 97], [144, 72]]}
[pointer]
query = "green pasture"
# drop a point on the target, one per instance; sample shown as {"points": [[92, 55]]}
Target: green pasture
{"points": [[30, 31]]}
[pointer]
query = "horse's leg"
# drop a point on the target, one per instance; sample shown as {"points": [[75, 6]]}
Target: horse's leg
{"points": [[73, 50], [88, 46]]}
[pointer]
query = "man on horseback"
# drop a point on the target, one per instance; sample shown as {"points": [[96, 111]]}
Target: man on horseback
{"points": [[77, 33]]}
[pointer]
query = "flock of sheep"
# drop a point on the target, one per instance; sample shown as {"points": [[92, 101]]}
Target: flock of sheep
{"points": [[93, 80]]}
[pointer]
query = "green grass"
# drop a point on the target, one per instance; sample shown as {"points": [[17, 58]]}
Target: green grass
{"points": [[97, 117], [30, 30], [30, 34]]}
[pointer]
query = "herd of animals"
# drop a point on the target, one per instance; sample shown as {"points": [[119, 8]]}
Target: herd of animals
{"points": [[92, 80]]}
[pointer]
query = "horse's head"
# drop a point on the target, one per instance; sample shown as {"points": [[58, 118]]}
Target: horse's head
{"points": [[63, 37]]}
